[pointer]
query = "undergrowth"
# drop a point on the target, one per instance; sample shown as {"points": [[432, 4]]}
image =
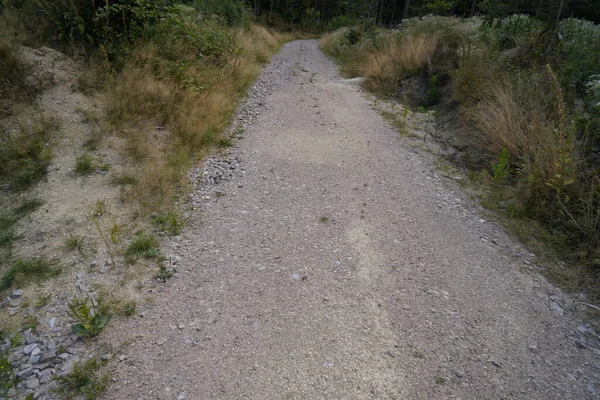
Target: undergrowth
{"points": [[528, 112], [85, 380]]}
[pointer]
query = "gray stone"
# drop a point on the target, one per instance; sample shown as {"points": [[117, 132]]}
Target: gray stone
{"points": [[32, 383], [17, 293], [28, 350], [182, 396], [25, 373]]}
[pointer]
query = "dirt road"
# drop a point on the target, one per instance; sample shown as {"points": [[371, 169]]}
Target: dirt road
{"points": [[338, 264]]}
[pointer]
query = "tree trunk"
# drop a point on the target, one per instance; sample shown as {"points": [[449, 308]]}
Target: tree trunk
{"points": [[394, 13], [473, 7], [380, 17], [406, 6]]}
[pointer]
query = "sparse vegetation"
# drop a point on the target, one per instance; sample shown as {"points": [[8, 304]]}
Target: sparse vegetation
{"points": [[74, 242], [85, 380], [25, 154], [84, 164], [164, 273], [171, 222], [89, 315], [142, 245], [525, 110], [6, 374], [23, 271]]}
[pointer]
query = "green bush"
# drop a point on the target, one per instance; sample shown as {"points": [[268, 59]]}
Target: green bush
{"points": [[579, 51], [340, 22]]}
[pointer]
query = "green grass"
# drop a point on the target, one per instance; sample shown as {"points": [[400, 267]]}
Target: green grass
{"points": [[23, 271], [142, 246], [26, 154], [171, 222], [85, 380], [74, 242], [7, 380], [27, 207], [84, 164]]}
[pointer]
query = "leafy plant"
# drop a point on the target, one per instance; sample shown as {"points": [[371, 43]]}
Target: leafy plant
{"points": [[85, 380], [164, 273], [90, 321], [501, 168]]}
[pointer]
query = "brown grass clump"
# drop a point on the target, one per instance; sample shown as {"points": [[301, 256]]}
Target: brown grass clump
{"points": [[401, 57], [171, 112]]}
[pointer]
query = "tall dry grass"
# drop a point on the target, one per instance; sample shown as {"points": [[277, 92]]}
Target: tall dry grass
{"points": [[171, 114], [400, 58]]}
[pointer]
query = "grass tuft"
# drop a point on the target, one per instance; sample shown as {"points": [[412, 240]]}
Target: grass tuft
{"points": [[85, 380], [142, 246], [24, 271], [26, 154], [84, 164]]}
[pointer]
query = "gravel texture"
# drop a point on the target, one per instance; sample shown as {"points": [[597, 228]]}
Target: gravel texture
{"points": [[330, 260]]}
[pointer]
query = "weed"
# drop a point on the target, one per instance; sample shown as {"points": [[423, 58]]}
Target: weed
{"points": [[23, 271], [115, 234], [171, 222], [27, 207], [226, 142], [164, 273], [99, 208], [43, 301], [84, 164], [130, 309], [7, 380], [85, 380], [433, 90], [122, 179], [419, 355], [25, 155], [16, 339], [74, 242], [142, 246], [90, 320], [93, 141], [440, 380], [501, 169], [324, 219], [30, 322]]}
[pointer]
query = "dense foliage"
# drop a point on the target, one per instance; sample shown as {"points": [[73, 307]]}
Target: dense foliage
{"points": [[391, 12]]}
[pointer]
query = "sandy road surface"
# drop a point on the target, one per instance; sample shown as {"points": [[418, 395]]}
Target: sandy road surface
{"points": [[339, 265]]}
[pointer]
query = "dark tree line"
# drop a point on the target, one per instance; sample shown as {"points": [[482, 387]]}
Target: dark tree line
{"points": [[391, 12]]}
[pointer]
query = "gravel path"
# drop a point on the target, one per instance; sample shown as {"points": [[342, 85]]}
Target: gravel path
{"points": [[335, 263]]}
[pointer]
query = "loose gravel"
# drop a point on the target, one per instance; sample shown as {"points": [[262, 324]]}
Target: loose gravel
{"points": [[330, 259]]}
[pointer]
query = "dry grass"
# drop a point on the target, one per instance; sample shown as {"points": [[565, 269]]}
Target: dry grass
{"points": [[172, 113], [401, 57]]}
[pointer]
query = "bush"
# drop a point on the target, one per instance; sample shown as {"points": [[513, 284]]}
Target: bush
{"points": [[339, 22]]}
